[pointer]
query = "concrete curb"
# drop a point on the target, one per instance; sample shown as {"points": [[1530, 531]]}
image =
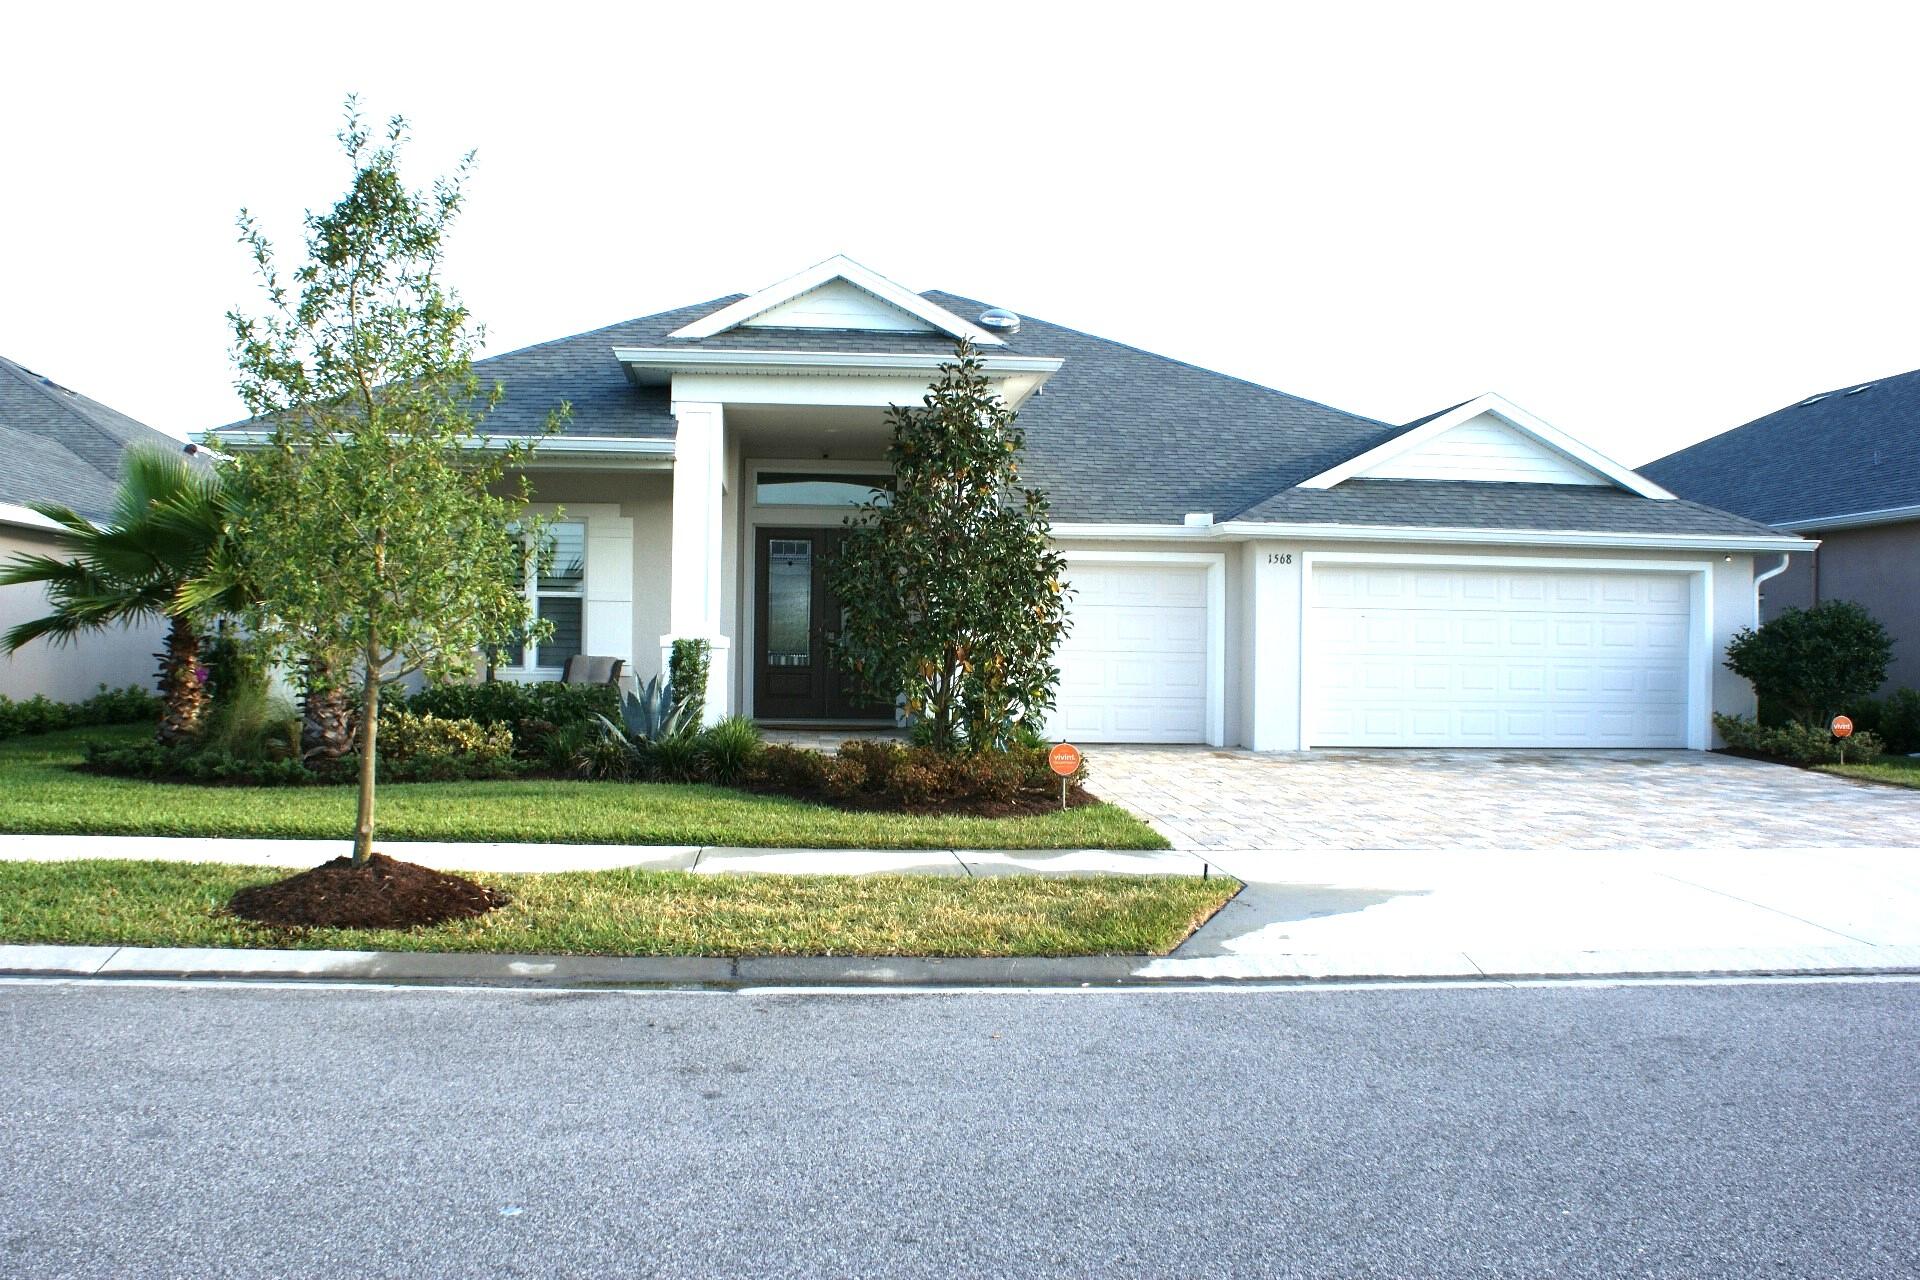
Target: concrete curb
{"points": [[720, 972]]}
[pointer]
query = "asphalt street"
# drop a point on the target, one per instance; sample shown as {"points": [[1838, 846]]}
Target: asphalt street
{"points": [[1696, 1131]]}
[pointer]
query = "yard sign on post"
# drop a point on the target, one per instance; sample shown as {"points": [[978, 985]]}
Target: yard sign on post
{"points": [[1842, 729], [1063, 760]]}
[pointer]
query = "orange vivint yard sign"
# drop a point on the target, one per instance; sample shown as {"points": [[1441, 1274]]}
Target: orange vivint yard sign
{"points": [[1063, 759], [1842, 727]]}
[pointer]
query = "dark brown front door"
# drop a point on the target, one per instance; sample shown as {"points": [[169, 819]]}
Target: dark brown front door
{"points": [[796, 621]]}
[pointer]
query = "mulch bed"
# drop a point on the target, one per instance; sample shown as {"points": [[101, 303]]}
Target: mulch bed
{"points": [[383, 894], [1026, 805]]}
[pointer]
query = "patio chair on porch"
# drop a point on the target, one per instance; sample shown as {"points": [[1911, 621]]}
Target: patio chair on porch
{"points": [[584, 668]]}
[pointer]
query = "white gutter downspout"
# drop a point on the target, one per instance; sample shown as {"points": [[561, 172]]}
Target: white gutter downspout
{"points": [[1760, 580]]}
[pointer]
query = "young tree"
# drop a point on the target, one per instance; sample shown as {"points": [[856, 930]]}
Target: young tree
{"points": [[1811, 662], [377, 534], [952, 589], [163, 541]]}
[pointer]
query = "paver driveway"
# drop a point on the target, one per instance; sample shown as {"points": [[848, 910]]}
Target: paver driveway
{"points": [[1208, 798]]}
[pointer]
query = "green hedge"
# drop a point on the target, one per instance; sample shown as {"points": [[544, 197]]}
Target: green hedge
{"points": [[1894, 719], [1799, 743], [504, 702], [159, 762], [551, 722], [109, 706]]}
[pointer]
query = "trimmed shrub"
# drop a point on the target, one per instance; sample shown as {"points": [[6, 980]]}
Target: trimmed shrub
{"points": [[41, 714], [687, 666], [504, 702], [1894, 719], [1799, 743], [881, 773], [792, 768], [551, 722], [1813, 662], [405, 736]]}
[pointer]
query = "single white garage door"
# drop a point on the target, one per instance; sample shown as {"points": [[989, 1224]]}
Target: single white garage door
{"points": [[1440, 657], [1134, 666]]}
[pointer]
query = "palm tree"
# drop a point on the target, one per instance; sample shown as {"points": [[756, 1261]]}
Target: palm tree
{"points": [[161, 553]]}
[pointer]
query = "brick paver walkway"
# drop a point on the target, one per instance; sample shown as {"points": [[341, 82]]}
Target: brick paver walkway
{"points": [[1207, 798]]}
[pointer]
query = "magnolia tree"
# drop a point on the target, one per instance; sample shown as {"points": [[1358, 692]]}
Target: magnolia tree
{"points": [[379, 540], [951, 586]]}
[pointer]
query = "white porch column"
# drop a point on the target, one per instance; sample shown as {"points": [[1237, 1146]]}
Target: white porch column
{"points": [[695, 590]]}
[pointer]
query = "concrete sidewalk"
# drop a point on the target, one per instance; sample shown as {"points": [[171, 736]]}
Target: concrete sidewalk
{"points": [[1332, 914], [1435, 913], [298, 855]]}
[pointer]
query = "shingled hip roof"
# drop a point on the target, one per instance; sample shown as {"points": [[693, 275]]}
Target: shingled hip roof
{"points": [[60, 446], [1838, 454]]}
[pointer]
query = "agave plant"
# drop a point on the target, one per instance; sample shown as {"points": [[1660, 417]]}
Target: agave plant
{"points": [[654, 713], [647, 719]]}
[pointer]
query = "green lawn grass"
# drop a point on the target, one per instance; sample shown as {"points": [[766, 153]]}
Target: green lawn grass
{"points": [[638, 913], [41, 793], [1899, 771]]}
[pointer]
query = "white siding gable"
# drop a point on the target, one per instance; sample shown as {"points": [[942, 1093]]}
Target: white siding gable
{"points": [[839, 304], [1486, 448]]}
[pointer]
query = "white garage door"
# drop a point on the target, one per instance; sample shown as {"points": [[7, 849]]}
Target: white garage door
{"points": [[1403, 656], [1134, 667]]}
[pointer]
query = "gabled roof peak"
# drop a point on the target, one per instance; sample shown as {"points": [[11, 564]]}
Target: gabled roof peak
{"points": [[892, 307], [1377, 461]]}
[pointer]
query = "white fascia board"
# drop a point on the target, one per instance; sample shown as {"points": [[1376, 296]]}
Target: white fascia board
{"points": [[838, 267], [1247, 530], [1510, 413], [638, 449], [1742, 543], [1853, 519], [671, 360], [26, 518]]}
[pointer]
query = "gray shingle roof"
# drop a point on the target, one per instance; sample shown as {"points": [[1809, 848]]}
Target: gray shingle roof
{"points": [[1119, 435], [1840, 454], [60, 446], [1453, 504]]}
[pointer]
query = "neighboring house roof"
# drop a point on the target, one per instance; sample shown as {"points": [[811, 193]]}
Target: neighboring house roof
{"points": [[1842, 453], [60, 446]]}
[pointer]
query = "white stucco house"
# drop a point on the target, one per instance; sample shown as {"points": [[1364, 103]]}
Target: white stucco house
{"points": [[58, 446], [1250, 568]]}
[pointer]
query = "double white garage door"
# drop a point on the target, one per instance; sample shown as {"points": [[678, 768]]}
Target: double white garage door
{"points": [[1396, 656], [1447, 657]]}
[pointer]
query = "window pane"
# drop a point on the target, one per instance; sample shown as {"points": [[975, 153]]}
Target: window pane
{"points": [[789, 602], [568, 568], [819, 489], [564, 612]]}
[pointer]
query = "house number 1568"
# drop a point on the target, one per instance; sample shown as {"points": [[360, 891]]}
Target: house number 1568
{"points": [[1279, 557]]}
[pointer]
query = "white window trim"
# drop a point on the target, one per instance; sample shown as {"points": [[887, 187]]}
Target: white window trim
{"points": [[1700, 648], [584, 514], [533, 673], [1215, 563]]}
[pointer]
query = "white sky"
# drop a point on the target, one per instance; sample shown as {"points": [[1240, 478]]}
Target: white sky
{"points": [[1645, 223]]}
